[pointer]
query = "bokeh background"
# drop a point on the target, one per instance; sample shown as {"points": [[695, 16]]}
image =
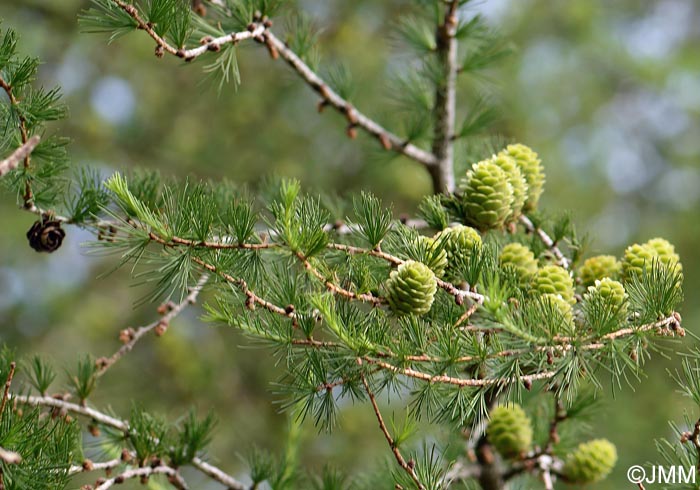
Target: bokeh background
{"points": [[607, 92]]}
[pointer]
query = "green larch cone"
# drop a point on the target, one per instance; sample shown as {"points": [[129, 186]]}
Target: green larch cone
{"points": [[591, 462], [558, 304], [521, 259], [510, 430], [531, 168], [552, 279], [487, 195], [612, 290], [599, 267], [666, 252], [435, 257], [411, 288], [516, 180], [636, 259], [458, 241]]}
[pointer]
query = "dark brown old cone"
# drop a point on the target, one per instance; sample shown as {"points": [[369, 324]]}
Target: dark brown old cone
{"points": [[46, 235]]}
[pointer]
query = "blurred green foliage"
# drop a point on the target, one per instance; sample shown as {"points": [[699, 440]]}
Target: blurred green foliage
{"points": [[607, 92]]}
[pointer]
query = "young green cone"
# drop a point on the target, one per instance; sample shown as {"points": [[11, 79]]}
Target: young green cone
{"points": [[553, 279], [510, 430], [666, 252], [487, 195], [411, 288], [433, 256], [591, 462], [599, 267], [516, 180], [531, 168], [521, 259], [613, 292], [636, 260], [562, 311], [459, 242]]}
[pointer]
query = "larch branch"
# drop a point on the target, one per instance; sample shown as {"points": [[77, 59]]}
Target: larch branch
{"points": [[11, 162], [107, 420], [408, 468], [105, 363], [547, 240]]}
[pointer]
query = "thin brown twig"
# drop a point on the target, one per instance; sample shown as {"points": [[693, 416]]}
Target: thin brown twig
{"points": [[547, 240], [334, 288], [174, 476], [8, 383], [443, 378], [252, 299], [409, 468], [11, 162], [105, 363], [89, 465], [389, 140]]}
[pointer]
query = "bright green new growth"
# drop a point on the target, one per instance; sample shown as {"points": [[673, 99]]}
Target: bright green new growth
{"points": [[487, 195], [553, 279], [531, 168], [516, 180], [411, 289], [613, 292], [459, 242], [510, 431], [591, 462], [521, 260], [599, 267], [435, 257]]}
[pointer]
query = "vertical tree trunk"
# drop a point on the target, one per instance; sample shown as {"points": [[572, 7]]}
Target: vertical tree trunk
{"points": [[445, 102]]}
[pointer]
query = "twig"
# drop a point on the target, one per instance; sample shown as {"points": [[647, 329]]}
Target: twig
{"points": [[8, 383], [175, 478], [547, 240], [407, 467], [10, 457], [104, 419], [445, 103], [105, 363], [251, 298], [443, 378], [11, 162], [215, 473], [355, 117], [276, 47], [89, 465], [367, 298]]}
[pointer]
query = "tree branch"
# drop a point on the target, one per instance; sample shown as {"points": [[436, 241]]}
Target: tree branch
{"points": [[547, 240], [442, 172], [107, 420], [260, 32], [134, 336], [356, 118], [407, 467], [174, 477], [11, 162]]}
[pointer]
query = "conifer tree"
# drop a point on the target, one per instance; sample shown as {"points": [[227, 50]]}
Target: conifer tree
{"points": [[455, 314]]}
